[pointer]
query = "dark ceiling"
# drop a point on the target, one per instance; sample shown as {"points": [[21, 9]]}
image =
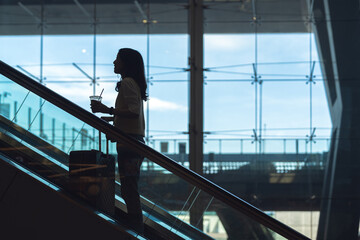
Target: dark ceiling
{"points": [[128, 17]]}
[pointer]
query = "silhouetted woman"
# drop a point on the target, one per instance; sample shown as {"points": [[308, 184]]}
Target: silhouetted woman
{"points": [[129, 118]]}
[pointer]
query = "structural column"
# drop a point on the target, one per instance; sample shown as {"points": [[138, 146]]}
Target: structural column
{"points": [[338, 36], [196, 96]]}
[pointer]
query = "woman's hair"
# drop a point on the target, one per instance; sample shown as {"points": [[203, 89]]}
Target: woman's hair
{"points": [[133, 66]]}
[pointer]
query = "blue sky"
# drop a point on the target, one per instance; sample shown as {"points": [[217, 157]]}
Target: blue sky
{"points": [[229, 106]]}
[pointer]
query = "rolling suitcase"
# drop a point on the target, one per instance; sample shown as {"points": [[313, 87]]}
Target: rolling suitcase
{"points": [[92, 176]]}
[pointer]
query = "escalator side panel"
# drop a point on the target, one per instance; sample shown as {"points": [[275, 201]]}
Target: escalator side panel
{"points": [[7, 176], [23, 154], [31, 210], [8, 126]]}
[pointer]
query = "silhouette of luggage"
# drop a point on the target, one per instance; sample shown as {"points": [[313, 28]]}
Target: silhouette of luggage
{"points": [[92, 177]]}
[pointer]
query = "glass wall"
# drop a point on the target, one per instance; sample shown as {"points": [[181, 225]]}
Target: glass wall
{"points": [[266, 119], [71, 48], [266, 127]]}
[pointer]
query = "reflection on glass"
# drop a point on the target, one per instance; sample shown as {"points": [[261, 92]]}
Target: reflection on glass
{"points": [[46, 121]]}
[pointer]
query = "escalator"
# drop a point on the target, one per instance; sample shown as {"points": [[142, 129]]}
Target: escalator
{"points": [[51, 164], [42, 156]]}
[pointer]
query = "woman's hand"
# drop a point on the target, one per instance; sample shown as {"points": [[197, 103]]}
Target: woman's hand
{"points": [[98, 107]]}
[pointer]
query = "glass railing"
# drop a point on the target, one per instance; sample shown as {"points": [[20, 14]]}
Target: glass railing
{"points": [[189, 196], [44, 120], [223, 154], [179, 145]]}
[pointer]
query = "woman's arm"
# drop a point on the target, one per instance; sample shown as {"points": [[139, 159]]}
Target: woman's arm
{"points": [[132, 98], [102, 108], [122, 113]]}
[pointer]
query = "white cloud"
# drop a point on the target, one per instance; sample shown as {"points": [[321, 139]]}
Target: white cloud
{"points": [[226, 42], [80, 95], [71, 91], [161, 105]]}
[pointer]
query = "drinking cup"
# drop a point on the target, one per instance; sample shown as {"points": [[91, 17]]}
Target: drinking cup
{"points": [[95, 98]]}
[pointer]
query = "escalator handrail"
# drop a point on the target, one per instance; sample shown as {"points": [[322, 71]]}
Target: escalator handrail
{"points": [[160, 159]]}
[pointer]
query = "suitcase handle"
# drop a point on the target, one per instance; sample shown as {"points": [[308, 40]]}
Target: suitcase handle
{"points": [[107, 144]]}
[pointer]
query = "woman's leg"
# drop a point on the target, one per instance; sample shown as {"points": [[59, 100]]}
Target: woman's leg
{"points": [[129, 169]]}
